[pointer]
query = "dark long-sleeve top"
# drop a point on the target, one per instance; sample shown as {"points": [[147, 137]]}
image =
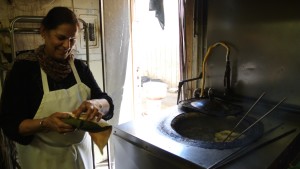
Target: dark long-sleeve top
{"points": [[23, 92]]}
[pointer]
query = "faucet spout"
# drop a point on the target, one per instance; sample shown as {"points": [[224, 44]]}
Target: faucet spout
{"points": [[227, 71]]}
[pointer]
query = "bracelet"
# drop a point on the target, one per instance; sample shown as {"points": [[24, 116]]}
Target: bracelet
{"points": [[43, 127], [42, 122]]}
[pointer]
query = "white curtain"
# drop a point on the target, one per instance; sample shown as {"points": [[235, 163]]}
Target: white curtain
{"points": [[116, 44]]}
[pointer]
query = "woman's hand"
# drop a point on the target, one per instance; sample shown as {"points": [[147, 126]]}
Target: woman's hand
{"points": [[54, 123], [51, 123], [92, 110]]}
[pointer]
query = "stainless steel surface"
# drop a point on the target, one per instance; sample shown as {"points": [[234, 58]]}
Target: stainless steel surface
{"points": [[245, 149], [131, 156], [144, 134], [263, 37]]}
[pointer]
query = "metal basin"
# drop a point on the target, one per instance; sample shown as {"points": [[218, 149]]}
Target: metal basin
{"points": [[197, 129]]}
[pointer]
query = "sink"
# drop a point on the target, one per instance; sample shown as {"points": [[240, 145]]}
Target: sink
{"points": [[199, 129]]}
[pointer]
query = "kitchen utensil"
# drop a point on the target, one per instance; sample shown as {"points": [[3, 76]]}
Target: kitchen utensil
{"points": [[258, 120], [243, 150], [244, 116]]}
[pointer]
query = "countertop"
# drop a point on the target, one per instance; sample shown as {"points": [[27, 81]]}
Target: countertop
{"points": [[146, 134]]}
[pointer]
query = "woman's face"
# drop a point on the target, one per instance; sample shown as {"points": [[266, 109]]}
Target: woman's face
{"points": [[60, 41]]}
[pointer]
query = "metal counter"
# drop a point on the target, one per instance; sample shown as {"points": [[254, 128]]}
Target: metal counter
{"points": [[140, 144]]}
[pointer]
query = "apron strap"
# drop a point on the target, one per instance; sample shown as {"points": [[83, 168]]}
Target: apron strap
{"points": [[45, 80], [75, 71]]}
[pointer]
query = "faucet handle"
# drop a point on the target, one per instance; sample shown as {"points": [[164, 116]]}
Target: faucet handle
{"points": [[211, 94]]}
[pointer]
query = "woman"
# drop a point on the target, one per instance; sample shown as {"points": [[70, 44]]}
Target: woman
{"points": [[41, 87]]}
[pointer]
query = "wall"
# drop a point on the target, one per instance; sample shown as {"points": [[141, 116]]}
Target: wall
{"points": [[263, 37]]}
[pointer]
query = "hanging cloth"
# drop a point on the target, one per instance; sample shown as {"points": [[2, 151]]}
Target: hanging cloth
{"points": [[158, 7]]}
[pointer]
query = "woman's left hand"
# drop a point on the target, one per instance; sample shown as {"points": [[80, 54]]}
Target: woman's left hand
{"points": [[91, 109]]}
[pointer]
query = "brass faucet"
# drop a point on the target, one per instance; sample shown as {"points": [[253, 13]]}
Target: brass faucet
{"points": [[227, 71]]}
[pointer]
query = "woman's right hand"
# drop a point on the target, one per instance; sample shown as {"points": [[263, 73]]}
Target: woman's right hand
{"points": [[54, 123], [51, 123]]}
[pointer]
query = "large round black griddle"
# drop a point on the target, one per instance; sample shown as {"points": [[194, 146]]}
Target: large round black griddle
{"points": [[198, 129]]}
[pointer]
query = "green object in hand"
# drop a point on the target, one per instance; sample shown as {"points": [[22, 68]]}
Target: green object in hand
{"points": [[85, 125]]}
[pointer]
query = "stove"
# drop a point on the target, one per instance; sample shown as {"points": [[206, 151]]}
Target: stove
{"points": [[155, 144]]}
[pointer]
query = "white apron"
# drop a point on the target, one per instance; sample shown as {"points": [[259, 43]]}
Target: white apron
{"points": [[53, 150]]}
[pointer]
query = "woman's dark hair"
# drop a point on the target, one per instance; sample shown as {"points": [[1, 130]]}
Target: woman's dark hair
{"points": [[59, 15]]}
